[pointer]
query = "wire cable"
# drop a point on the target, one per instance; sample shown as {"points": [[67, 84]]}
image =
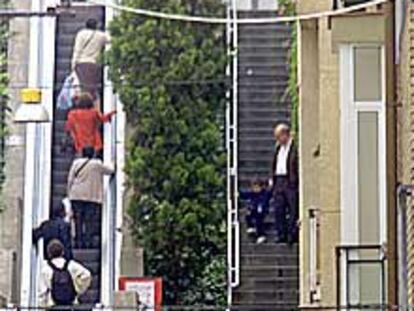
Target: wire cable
{"points": [[242, 21]]}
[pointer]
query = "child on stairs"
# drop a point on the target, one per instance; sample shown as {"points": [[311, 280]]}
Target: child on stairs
{"points": [[257, 200]]}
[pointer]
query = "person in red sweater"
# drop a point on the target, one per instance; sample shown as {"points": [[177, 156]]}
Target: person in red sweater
{"points": [[83, 124]]}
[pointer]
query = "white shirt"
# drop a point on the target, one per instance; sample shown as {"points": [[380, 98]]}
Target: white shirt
{"points": [[81, 278], [282, 159]]}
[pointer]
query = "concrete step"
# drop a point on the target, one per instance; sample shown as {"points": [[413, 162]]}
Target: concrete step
{"points": [[268, 48], [247, 116], [260, 14], [269, 259], [278, 57], [269, 282], [267, 296], [87, 255], [269, 248], [263, 123]]}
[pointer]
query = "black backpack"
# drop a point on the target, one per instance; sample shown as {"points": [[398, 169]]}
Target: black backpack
{"points": [[63, 290]]}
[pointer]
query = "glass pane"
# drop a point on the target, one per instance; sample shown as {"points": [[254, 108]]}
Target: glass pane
{"points": [[367, 71], [365, 283], [368, 178]]}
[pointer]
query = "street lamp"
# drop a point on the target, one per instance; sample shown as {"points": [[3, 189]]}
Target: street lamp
{"points": [[31, 110]]}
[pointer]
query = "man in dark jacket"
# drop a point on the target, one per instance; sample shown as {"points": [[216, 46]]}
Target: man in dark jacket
{"points": [[285, 186], [55, 228]]}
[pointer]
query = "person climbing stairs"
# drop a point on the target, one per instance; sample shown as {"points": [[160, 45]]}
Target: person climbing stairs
{"points": [[67, 28]]}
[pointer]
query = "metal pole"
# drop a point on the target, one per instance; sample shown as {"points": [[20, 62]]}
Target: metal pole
{"points": [[402, 193]]}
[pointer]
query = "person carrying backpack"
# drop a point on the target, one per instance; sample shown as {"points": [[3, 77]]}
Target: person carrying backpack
{"points": [[61, 280]]}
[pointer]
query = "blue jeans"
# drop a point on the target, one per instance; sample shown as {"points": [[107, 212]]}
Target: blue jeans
{"points": [[255, 218]]}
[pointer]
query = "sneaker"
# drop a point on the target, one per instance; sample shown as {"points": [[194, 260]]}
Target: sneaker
{"points": [[251, 231], [261, 240]]}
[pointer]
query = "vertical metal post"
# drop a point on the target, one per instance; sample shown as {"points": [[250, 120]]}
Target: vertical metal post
{"points": [[109, 210], [402, 194], [313, 256]]}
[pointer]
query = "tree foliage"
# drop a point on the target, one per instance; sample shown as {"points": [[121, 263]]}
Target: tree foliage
{"points": [[168, 75], [4, 94], [288, 7]]}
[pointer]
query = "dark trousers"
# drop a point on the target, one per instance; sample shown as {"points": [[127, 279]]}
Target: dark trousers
{"points": [[87, 218], [255, 219], [286, 205]]}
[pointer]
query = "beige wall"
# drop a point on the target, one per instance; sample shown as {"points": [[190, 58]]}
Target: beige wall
{"points": [[320, 132], [309, 140], [319, 151]]}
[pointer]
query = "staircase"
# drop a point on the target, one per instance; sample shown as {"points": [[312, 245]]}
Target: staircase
{"points": [[269, 272], [67, 27]]}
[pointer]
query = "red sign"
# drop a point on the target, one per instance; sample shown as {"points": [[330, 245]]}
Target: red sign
{"points": [[148, 289]]}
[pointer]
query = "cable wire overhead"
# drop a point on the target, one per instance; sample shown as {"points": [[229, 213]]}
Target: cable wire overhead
{"points": [[220, 20]]}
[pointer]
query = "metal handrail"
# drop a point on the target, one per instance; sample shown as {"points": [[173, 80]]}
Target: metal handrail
{"points": [[233, 226], [314, 284]]}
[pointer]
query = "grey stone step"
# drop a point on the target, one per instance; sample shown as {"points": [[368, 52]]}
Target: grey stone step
{"points": [[269, 48], [258, 56], [257, 28], [267, 296], [269, 259], [260, 14], [269, 282], [264, 36], [269, 248], [263, 113], [87, 255]]}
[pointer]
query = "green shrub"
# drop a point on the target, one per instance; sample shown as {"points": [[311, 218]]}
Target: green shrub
{"points": [[168, 75]]}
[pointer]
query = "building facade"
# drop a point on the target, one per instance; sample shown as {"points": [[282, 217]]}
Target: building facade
{"points": [[12, 195], [348, 155]]}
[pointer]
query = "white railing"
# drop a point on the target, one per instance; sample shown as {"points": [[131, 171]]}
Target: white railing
{"points": [[233, 226], [314, 286], [38, 148], [114, 154]]}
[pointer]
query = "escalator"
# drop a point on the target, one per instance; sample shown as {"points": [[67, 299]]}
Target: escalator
{"points": [[67, 27]]}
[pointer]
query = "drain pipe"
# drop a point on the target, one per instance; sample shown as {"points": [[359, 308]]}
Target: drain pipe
{"points": [[403, 192]]}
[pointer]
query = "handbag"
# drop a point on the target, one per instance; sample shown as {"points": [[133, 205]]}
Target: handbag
{"points": [[70, 90]]}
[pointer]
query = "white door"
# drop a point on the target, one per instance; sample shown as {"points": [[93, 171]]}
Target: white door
{"points": [[363, 167]]}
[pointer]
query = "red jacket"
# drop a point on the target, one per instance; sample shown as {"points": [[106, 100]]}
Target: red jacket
{"points": [[83, 126]]}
